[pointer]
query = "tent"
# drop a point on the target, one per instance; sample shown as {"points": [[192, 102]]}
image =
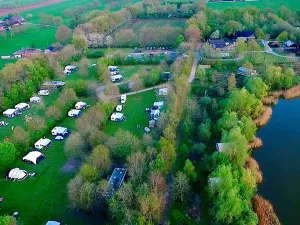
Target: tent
{"points": [[80, 105], [10, 113], [42, 143], [59, 131], [22, 106], [33, 157], [17, 174], [35, 99]]}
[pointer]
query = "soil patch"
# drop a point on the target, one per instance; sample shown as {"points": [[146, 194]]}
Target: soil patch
{"points": [[71, 166]]}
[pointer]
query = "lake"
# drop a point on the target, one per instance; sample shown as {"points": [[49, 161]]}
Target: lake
{"points": [[279, 160]]}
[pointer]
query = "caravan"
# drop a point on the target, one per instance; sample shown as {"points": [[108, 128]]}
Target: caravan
{"points": [[42, 143], [74, 113], [81, 105], [35, 99], [70, 69], [61, 131], [22, 107], [117, 117], [116, 78], [10, 113]]}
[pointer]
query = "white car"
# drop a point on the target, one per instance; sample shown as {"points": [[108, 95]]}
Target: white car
{"points": [[59, 138], [43, 92]]}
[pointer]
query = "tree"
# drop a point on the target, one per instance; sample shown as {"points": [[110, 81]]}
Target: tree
{"points": [[8, 220], [228, 121], [151, 207], [231, 82], [179, 40], [257, 87], [8, 155], [189, 170], [181, 188], [283, 36], [193, 34], [80, 42], [100, 159], [20, 139], [75, 146], [232, 26], [137, 166], [204, 130], [89, 172], [63, 34], [57, 21]]}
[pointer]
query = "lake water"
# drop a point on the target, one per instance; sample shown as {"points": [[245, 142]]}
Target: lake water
{"points": [[279, 160]]}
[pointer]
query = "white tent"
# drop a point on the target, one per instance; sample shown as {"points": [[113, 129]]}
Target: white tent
{"points": [[59, 131], [123, 99], [74, 113], [17, 174], [159, 104], [35, 99], [33, 157], [22, 106], [52, 223], [10, 113], [42, 143], [80, 105]]}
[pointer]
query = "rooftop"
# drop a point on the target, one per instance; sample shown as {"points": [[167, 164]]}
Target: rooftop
{"points": [[115, 181]]}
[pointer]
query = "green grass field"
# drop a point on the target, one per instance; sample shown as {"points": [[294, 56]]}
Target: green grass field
{"points": [[12, 3], [129, 71], [263, 4], [137, 25]]}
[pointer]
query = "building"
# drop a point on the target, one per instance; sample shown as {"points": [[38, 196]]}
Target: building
{"points": [[244, 35], [42, 143], [26, 52], [217, 44], [33, 157], [10, 113], [22, 106], [290, 45], [14, 20], [61, 131], [246, 72], [115, 181], [154, 113]]}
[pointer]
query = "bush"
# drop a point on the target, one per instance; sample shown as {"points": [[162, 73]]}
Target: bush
{"points": [[94, 54]]}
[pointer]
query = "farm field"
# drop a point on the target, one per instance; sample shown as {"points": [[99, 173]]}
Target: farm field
{"points": [[12, 4], [138, 24], [263, 4]]}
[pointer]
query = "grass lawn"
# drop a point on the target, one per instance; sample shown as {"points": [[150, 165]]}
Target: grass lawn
{"points": [[273, 4], [129, 71], [135, 113], [138, 24], [11, 3]]}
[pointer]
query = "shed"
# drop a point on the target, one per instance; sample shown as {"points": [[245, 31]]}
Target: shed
{"points": [[220, 147], [35, 99], [17, 174], [22, 106], [244, 35], [74, 113], [62, 131], [42, 143], [117, 117], [33, 157], [163, 91], [10, 113], [81, 105]]}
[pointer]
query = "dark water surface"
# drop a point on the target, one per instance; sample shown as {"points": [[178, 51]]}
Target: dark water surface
{"points": [[279, 160]]}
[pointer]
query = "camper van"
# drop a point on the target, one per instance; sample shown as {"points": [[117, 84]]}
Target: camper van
{"points": [[113, 68], [43, 92], [69, 69], [22, 107], [10, 113], [117, 117], [116, 78], [35, 99], [81, 105], [42, 143], [74, 113], [123, 99], [61, 131]]}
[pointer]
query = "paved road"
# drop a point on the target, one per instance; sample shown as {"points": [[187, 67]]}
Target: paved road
{"points": [[269, 50]]}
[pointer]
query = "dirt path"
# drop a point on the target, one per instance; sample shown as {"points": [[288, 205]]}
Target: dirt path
{"points": [[5, 12]]}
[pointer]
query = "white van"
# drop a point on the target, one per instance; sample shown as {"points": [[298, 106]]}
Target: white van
{"points": [[43, 92], [116, 78]]}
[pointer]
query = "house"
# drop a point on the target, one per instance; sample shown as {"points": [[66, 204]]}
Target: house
{"points": [[33, 157], [74, 113], [27, 52], [14, 20], [244, 35], [22, 106], [116, 78], [163, 91], [220, 147], [115, 181], [123, 99], [10, 113], [61, 131], [35, 99], [42, 143], [117, 117], [246, 72], [274, 44], [17, 174], [217, 44], [81, 105]]}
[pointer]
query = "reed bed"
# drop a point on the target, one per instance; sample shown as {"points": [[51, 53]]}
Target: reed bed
{"points": [[292, 92], [255, 143], [253, 166], [264, 116], [264, 211], [270, 100]]}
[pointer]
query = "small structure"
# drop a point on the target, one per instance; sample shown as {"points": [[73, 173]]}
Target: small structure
{"points": [[43, 92], [154, 114], [70, 69], [217, 44], [244, 35], [159, 104], [59, 131], [147, 129], [74, 113], [117, 117], [54, 84], [22, 107], [115, 181], [246, 72], [123, 99], [10, 113], [17, 174], [81, 105], [52, 223], [115, 78], [163, 91], [33, 157], [113, 68], [152, 123], [15, 20], [119, 108], [35, 99], [42, 143], [26, 52], [290, 45], [220, 147]]}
